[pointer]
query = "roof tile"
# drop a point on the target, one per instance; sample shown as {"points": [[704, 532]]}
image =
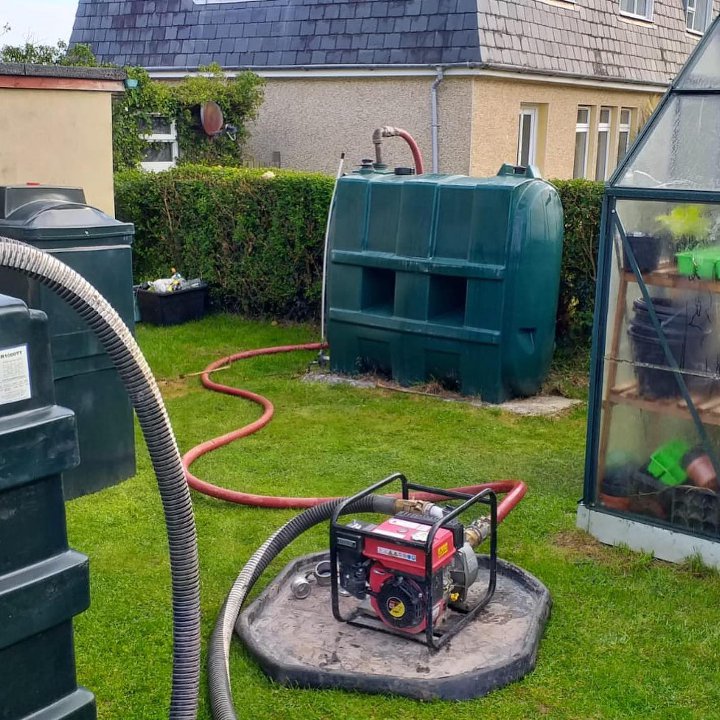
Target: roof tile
{"points": [[528, 33]]}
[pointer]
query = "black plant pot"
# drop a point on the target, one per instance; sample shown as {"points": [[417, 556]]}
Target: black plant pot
{"points": [[647, 250], [686, 338]]}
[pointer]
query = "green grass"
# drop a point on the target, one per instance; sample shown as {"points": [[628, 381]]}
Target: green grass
{"points": [[629, 637]]}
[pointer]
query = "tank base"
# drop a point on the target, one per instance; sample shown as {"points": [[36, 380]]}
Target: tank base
{"points": [[299, 642]]}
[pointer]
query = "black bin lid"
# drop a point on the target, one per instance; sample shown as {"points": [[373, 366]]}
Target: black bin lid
{"points": [[38, 212]]}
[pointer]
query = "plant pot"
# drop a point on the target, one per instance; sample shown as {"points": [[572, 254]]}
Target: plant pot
{"points": [[700, 470], [647, 250], [706, 267], [614, 502], [685, 263], [685, 339], [618, 480]]}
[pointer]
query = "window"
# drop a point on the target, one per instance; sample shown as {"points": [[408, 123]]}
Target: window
{"points": [[697, 14], [162, 151], [624, 127], [582, 131], [637, 8], [527, 136], [603, 144]]}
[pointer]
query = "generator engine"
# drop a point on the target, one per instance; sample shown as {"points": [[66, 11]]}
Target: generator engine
{"points": [[409, 570]]}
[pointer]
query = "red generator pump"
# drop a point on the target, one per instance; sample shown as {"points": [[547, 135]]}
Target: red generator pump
{"points": [[413, 572]]}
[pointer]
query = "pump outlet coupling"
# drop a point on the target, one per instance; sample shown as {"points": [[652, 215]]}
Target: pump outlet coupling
{"points": [[390, 131]]}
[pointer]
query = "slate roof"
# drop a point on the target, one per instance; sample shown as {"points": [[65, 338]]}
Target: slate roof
{"points": [[586, 38]]}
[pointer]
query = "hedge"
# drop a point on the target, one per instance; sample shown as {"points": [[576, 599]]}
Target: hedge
{"points": [[582, 204], [257, 239]]}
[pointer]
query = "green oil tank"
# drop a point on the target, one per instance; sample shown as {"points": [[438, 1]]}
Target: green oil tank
{"points": [[57, 220], [446, 278]]}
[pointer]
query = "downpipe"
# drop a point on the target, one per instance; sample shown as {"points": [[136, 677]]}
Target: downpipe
{"points": [[434, 122]]}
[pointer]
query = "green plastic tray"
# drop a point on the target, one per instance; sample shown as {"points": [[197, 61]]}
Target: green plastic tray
{"points": [[666, 463]]}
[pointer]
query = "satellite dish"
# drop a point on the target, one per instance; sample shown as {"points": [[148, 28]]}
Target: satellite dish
{"points": [[211, 117]]}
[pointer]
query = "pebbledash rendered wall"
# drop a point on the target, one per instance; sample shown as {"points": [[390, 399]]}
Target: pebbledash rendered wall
{"points": [[56, 128], [308, 121]]}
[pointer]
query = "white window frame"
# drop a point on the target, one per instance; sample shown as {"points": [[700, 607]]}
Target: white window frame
{"points": [[692, 15], [527, 113], [624, 127], [603, 127], [169, 138], [633, 12], [583, 128]]}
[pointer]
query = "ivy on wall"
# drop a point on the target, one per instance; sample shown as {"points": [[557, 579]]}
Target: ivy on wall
{"points": [[239, 98]]}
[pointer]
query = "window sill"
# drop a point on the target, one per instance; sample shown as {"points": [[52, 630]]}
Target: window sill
{"points": [[565, 4], [157, 166], [694, 33], [639, 20]]}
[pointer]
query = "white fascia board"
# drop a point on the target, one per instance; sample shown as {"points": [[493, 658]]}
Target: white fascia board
{"points": [[418, 71], [661, 542]]}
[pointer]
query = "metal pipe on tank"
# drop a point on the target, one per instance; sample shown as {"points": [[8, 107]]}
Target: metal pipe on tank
{"points": [[434, 123]]}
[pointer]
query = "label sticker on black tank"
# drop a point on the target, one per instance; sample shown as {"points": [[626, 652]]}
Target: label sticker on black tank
{"points": [[14, 375]]}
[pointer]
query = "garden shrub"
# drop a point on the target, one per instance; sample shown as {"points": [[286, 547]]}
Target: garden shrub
{"points": [[258, 240], [582, 205]]}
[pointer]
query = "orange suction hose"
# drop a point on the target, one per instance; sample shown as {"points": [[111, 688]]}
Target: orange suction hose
{"points": [[514, 489]]}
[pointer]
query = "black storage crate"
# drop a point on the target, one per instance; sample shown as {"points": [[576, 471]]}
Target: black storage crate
{"points": [[173, 308]]}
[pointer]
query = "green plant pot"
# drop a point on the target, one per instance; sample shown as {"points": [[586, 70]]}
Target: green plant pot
{"points": [[706, 267], [685, 263]]}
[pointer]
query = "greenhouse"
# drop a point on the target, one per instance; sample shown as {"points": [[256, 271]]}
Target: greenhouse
{"points": [[653, 462]]}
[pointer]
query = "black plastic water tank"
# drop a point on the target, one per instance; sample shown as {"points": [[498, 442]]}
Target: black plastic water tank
{"points": [[43, 583], [98, 247]]}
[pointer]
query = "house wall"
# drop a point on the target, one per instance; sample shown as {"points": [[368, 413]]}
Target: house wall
{"points": [[59, 137], [496, 106], [311, 121]]}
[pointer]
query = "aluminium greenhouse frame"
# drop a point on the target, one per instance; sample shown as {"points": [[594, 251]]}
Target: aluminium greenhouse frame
{"points": [[644, 533]]}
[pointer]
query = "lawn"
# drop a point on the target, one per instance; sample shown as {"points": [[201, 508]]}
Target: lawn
{"points": [[629, 637]]}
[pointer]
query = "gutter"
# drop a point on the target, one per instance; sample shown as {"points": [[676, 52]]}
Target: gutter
{"points": [[476, 69]]}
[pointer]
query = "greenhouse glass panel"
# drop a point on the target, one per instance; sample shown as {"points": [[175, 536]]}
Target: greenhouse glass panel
{"points": [[648, 440], [702, 71], [655, 462], [682, 151]]}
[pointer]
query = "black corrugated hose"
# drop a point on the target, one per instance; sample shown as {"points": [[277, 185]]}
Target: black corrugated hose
{"points": [[174, 492], [219, 649]]}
